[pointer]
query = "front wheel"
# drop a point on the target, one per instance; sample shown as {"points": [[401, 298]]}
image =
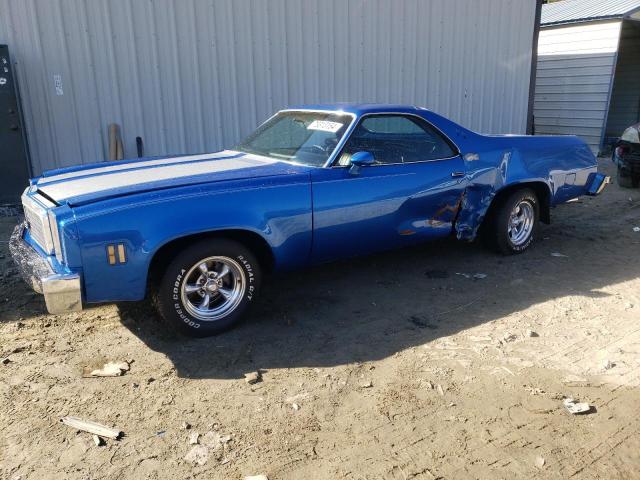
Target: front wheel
{"points": [[515, 222], [208, 286]]}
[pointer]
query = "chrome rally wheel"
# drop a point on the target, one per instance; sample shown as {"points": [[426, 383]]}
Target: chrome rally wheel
{"points": [[207, 286], [213, 288], [521, 222], [512, 223]]}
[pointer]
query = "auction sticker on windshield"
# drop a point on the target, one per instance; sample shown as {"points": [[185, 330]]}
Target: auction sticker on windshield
{"points": [[325, 126]]}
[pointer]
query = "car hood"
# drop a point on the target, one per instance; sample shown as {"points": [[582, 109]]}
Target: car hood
{"points": [[90, 183]]}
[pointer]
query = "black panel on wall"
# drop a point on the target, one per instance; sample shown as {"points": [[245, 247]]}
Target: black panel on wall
{"points": [[14, 164]]}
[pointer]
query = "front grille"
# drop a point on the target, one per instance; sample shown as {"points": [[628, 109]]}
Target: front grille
{"points": [[38, 223]]}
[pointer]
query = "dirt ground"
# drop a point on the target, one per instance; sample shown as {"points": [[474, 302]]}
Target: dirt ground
{"points": [[394, 366]]}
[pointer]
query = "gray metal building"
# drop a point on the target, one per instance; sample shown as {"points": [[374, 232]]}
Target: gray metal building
{"points": [[588, 73], [197, 75]]}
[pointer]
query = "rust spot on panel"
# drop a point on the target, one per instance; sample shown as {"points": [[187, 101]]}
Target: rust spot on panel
{"points": [[433, 221]]}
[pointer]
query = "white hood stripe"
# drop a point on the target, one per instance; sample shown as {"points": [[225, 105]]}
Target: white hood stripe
{"points": [[134, 165], [114, 180]]}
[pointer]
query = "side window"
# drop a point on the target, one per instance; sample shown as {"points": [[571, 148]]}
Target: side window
{"points": [[396, 139]]}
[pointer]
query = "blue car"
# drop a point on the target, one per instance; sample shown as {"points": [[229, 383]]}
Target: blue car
{"points": [[198, 233]]}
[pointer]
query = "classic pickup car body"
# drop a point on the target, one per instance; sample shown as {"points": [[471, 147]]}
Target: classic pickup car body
{"points": [[364, 178]]}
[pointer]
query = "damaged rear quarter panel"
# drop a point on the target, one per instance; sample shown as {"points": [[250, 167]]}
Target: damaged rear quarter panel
{"points": [[560, 164]]}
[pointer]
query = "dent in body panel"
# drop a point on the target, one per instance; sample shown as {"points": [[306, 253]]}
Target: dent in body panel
{"points": [[279, 210], [486, 175], [562, 164]]}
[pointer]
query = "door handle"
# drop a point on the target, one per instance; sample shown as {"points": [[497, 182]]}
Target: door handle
{"points": [[457, 174]]}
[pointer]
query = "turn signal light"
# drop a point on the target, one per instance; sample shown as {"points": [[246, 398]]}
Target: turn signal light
{"points": [[116, 254]]}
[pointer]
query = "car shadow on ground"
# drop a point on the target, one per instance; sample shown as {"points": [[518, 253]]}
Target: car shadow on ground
{"points": [[369, 308]]}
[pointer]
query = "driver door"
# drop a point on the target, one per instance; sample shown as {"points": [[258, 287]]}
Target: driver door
{"points": [[410, 194]]}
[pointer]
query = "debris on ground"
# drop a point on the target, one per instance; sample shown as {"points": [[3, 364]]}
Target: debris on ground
{"points": [[194, 438], [531, 333], [198, 455], [636, 229], [295, 406], [92, 427], [109, 369], [185, 426], [366, 384], [5, 361], [608, 365], [440, 390], [252, 377], [98, 441], [559, 255], [256, 477], [540, 462], [509, 337], [214, 440], [576, 408], [210, 442]]}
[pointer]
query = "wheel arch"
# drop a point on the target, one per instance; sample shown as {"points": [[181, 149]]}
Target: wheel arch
{"points": [[540, 188], [250, 239]]}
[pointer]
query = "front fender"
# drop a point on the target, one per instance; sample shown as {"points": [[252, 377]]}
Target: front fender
{"points": [[279, 210]]}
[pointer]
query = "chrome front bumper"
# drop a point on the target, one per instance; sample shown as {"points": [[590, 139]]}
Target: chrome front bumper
{"points": [[62, 292]]}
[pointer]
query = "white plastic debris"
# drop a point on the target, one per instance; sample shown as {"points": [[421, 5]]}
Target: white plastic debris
{"points": [[194, 438], [92, 427], [109, 369], [252, 377], [509, 337], [540, 462], [295, 406], [576, 408], [636, 229]]}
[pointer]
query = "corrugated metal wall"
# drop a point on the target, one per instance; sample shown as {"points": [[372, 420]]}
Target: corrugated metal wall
{"points": [[574, 75], [624, 108], [197, 75]]}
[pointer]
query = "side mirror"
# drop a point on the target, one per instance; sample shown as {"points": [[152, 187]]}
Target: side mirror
{"points": [[360, 159]]}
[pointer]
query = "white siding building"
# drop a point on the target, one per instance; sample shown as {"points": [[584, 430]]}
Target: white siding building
{"points": [[197, 75], [588, 73]]}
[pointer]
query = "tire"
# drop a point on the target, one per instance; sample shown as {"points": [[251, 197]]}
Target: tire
{"points": [[230, 282], [497, 234], [624, 180]]}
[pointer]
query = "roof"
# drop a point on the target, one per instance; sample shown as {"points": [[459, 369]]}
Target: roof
{"points": [[359, 108], [575, 11]]}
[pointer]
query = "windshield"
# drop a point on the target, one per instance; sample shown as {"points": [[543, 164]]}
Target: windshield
{"points": [[303, 137]]}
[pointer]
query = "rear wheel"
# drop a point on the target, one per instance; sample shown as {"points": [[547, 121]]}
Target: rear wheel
{"points": [[208, 286], [514, 223]]}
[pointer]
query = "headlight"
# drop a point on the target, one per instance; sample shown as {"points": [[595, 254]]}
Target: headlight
{"points": [[631, 135], [57, 245]]}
